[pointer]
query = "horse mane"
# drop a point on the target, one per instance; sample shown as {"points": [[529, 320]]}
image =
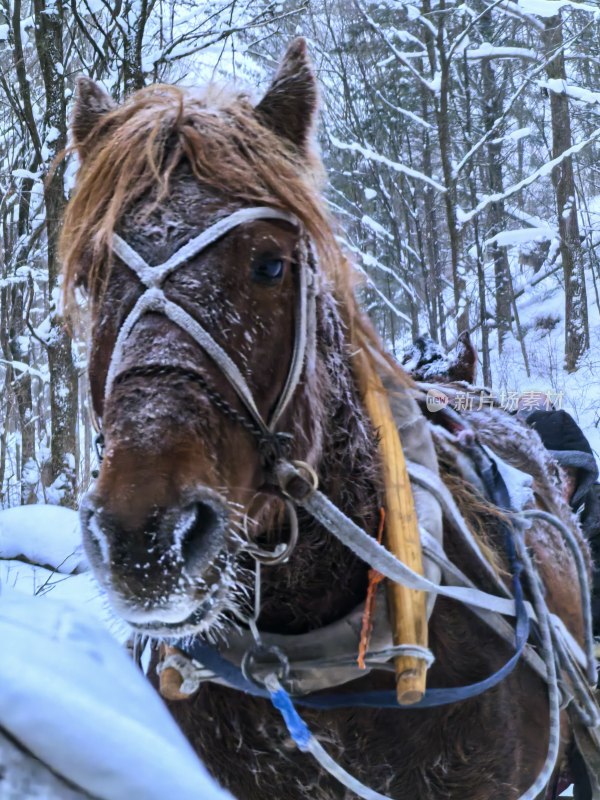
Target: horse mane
{"points": [[133, 151]]}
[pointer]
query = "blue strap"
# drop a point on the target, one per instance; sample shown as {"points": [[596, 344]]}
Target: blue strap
{"points": [[209, 657], [296, 726]]}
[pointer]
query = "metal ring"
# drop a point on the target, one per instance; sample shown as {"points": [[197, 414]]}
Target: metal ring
{"points": [[249, 663], [310, 473], [283, 550], [297, 480]]}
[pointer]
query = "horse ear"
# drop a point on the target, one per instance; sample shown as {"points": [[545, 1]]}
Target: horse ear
{"points": [[91, 105], [289, 107]]}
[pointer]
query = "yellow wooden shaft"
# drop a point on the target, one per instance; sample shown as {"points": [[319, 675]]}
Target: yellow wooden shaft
{"points": [[407, 606]]}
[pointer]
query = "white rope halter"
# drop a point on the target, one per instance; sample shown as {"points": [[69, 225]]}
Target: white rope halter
{"points": [[154, 300]]}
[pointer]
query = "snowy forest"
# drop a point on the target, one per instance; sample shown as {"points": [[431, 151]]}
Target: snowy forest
{"points": [[461, 145]]}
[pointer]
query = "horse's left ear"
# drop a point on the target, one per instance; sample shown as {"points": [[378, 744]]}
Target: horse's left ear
{"points": [[289, 107], [91, 104]]}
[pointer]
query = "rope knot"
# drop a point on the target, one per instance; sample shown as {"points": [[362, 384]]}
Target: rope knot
{"points": [[274, 447]]}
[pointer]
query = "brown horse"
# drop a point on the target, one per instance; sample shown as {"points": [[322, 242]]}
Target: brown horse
{"points": [[182, 470]]}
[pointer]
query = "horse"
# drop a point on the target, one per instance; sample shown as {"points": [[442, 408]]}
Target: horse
{"points": [[193, 218]]}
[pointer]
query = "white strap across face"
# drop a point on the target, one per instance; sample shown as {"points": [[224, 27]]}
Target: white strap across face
{"points": [[155, 300]]}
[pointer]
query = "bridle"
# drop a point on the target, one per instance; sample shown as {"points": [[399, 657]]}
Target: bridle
{"points": [[272, 444]]}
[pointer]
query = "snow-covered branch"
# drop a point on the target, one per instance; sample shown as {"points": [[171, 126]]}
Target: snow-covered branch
{"points": [[370, 155], [542, 172]]}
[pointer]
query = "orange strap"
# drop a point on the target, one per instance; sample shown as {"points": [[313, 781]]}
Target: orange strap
{"points": [[375, 579]]}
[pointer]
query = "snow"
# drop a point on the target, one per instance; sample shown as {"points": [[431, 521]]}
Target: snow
{"points": [[435, 84], [520, 133], [30, 473], [575, 92], [81, 591], [20, 366], [25, 174], [52, 134], [487, 50], [429, 358], [521, 236], [370, 155], [531, 220], [405, 112], [544, 171], [549, 8], [46, 535], [375, 227], [73, 697]]}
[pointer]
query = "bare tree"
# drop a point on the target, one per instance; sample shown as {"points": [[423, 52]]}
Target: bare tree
{"points": [[577, 334]]}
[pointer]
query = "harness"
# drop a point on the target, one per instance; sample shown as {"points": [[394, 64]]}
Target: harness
{"points": [[276, 666]]}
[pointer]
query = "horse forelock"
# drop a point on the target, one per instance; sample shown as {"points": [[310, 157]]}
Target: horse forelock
{"points": [[135, 147]]}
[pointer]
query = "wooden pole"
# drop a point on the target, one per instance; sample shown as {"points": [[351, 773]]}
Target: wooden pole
{"points": [[170, 680], [407, 606]]}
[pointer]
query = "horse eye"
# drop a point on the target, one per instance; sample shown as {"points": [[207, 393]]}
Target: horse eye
{"points": [[268, 270]]}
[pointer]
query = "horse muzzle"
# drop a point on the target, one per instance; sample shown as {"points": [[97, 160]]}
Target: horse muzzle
{"points": [[163, 568]]}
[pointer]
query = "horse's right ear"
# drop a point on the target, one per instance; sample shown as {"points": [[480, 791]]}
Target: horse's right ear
{"points": [[91, 104], [289, 108]]}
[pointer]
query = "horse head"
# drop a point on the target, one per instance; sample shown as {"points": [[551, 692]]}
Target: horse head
{"points": [[194, 229]]}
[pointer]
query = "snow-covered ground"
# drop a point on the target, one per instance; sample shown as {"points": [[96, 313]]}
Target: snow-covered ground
{"points": [[41, 555], [541, 312], [71, 695], [44, 535]]}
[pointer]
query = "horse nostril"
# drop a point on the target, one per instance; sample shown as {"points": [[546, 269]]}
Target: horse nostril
{"points": [[204, 535], [189, 536]]}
